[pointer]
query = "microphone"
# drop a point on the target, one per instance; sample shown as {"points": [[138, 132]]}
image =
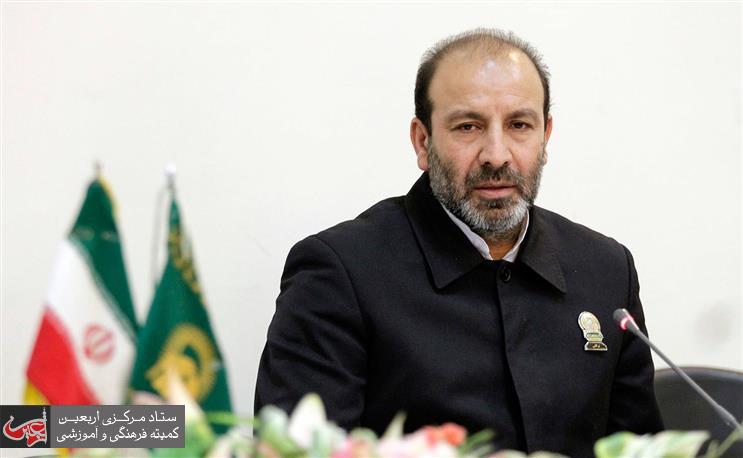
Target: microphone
{"points": [[627, 323]]}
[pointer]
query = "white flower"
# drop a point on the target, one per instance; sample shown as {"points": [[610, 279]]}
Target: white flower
{"points": [[308, 416]]}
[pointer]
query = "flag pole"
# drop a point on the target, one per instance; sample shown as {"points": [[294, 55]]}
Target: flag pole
{"points": [[170, 171]]}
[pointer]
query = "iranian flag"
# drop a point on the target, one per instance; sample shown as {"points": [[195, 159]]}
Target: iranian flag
{"points": [[85, 345]]}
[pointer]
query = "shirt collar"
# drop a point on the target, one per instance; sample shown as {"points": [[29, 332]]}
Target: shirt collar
{"points": [[480, 243]]}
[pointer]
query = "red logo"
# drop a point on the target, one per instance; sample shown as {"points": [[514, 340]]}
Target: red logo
{"points": [[33, 430], [98, 343]]}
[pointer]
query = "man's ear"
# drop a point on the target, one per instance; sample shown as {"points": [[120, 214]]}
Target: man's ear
{"points": [[547, 133], [419, 138]]}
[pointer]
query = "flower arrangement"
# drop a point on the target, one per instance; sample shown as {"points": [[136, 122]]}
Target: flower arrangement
{"points": [[307, 433]]}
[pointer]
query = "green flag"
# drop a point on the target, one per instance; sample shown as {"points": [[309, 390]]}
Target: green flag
{"points": [[177, 335]]}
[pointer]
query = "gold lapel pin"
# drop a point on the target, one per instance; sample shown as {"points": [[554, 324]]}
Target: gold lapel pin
{"points": [[591, 332]]}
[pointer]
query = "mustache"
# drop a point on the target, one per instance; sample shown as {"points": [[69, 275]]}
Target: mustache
{"points": [[488, 174]]}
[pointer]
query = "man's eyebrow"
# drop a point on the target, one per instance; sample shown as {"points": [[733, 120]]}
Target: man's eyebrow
{"points": [[469, 114], [524, 113], [464, 114]]}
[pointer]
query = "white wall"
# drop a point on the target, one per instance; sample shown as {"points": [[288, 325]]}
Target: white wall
{"points": [[286, 119]]}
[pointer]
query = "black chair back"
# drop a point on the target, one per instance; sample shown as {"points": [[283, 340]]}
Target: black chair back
{"points": [[683, 409]]}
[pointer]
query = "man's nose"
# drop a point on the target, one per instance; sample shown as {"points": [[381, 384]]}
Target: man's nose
{"points": [[495, 149]]}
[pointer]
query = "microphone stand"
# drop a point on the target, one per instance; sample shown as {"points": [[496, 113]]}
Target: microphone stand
{"points": [[626, 322]]}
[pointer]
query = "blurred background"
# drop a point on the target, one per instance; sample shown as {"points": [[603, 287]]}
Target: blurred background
{"points": [[285, 119]]}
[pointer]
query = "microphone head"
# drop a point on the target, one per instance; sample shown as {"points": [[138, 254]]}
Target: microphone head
{"points": [[619, 314], [623, 319]]}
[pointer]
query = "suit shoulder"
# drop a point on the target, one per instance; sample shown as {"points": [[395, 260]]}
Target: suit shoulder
{"points": [[588, 257], [574, 237], [377, 226]]}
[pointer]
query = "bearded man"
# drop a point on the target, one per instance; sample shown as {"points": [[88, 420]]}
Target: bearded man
{"points": [[462, 301]]}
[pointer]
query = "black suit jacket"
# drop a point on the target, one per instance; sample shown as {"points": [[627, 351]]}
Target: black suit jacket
{"points": [[396, 310]]}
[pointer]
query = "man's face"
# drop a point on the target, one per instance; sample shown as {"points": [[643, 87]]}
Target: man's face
{"points": [[487, 146]]}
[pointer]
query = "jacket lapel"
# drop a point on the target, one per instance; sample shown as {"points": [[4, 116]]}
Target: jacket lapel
{"points": [[447, 251], [538, 252]]}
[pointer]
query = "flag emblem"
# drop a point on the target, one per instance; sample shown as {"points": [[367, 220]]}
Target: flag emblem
{"points": [[191, 354], [98, 343]]}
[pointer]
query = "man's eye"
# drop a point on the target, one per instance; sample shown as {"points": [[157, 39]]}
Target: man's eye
{"points": [[466, 127], [520, 125]]}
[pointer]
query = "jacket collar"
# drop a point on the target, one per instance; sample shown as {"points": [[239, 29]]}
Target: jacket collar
{"points": [[539, 251], [450, 255]]}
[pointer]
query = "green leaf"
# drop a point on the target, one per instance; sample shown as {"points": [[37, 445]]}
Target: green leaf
{"points": [[274, 431], [326, 438], [734, 437], [669, 444], [679, 444], [229, 418], [612, 446], [236, 442], [476, 441]]}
